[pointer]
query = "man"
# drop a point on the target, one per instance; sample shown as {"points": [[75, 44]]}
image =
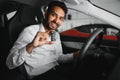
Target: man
{"points": [[34, 53]]}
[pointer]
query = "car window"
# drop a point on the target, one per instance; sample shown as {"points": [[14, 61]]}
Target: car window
{"points": [[76, 18], [110, 5]]}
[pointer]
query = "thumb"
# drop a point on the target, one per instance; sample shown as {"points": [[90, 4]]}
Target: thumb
{"points": [[48, 32], [49, 42]]}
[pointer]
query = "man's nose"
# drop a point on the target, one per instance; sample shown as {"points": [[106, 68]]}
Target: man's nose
{"points": [[56, 20]]}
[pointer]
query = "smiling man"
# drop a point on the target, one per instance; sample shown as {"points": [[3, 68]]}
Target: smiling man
{"points": [[34, 54]]}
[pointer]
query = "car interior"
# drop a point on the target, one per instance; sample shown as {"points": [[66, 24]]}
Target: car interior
{"points": [[10, 28], [99, 59]]}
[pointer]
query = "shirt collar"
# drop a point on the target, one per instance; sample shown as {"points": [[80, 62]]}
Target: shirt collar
{"points": [[42, 29]]}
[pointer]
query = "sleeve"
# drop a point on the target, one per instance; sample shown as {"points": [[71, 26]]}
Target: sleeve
{"points": [[18, 52], [63, 58]]}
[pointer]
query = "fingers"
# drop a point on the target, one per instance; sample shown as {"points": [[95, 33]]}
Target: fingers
{"points": [[41, 38], [76, 53], [43, 35], [45, 42], [48, 42], [48, 32]]}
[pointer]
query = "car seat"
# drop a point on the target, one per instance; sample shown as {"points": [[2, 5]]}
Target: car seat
{"points": [[25, 16]]}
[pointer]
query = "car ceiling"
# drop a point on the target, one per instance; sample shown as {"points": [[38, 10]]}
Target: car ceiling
{"points": [[8, 6], [11, 5]]}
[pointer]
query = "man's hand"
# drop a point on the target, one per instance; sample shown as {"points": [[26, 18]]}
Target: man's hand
{"points": [[76, 54], [39, 40]]}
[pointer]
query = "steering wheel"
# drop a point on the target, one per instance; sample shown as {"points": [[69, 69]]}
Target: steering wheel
{"points": [[87, 44]]}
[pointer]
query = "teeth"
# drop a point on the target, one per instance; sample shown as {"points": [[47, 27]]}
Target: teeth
{"points": [[54, 25]]}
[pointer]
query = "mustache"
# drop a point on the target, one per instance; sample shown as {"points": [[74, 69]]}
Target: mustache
{"points": [[55, 23]]}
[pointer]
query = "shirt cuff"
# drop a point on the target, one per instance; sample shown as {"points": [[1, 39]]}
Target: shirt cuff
{"points": [[24, 53], [70, 56], [65, 58]]}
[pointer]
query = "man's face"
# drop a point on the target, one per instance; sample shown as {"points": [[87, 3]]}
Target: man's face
{"points": [[55, 18]]}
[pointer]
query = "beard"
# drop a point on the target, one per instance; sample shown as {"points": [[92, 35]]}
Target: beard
{"points": [[49, 25], [46, 24]]}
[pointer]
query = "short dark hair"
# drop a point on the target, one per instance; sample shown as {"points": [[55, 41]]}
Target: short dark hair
{"points": [[57, 3]]}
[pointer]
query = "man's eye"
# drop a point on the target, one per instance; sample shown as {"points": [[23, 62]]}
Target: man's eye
{"points": [[62, 19], [53, 14]]}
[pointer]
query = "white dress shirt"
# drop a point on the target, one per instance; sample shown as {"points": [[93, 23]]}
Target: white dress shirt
{"points": [[42, 58]]}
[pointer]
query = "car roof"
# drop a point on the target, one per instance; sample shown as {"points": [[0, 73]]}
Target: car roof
{"points": [[88, 7]]}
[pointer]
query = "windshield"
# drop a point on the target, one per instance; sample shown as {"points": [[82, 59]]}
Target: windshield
{"points": [[77, 16], [110, 5]]}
